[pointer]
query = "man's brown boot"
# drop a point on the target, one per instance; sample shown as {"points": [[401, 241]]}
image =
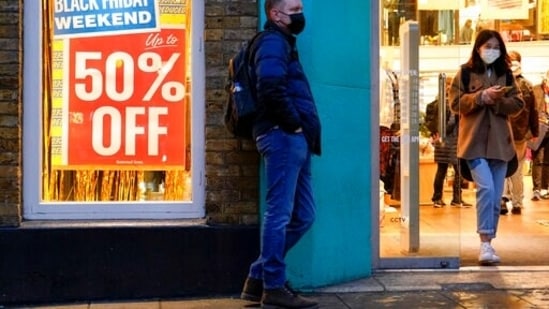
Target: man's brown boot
{"points": [[284, 298], [252, 290]]}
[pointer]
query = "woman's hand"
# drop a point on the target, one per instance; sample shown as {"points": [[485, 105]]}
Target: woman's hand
{"points": [[491, 95]]}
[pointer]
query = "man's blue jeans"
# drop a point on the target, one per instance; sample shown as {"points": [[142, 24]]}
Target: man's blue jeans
{"points": [[489, 177], [290, 207]]}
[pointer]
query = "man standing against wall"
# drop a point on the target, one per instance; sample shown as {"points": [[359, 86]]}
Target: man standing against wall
{"points": [[287, 133]]}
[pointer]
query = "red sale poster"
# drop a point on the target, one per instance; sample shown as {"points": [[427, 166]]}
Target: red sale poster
{"points": [[126, 101]]}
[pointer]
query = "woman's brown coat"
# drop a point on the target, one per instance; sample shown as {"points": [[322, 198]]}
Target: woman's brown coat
{"points": [[484, 130]]}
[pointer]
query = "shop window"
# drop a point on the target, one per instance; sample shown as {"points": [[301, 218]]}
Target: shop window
{"points": [[116, 123], [442, 22]]}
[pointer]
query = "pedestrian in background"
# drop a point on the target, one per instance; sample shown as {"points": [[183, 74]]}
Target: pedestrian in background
{"points": [[445, 152], [540, 155], [485, 94], [466, 32], [287, 133], [525, 127]]}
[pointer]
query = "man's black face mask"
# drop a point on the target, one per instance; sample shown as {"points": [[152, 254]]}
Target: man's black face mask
{"points": [[297, 22]]}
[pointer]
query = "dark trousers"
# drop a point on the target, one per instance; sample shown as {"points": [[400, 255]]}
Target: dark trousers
{"points": [[394, 27], [438, 184], [540, 166]]}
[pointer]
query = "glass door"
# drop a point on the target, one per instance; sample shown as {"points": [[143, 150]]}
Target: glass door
{"points": [[415, 231], [420, 216]]}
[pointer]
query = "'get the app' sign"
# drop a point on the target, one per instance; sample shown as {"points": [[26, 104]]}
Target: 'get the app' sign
{"points": [[126, 100]]}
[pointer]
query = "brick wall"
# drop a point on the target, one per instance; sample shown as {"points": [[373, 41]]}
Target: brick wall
{"points": [[231, 164], [10, 112]]}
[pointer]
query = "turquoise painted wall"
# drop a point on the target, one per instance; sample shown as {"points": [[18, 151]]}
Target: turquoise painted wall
{"points": [[336, 52]]}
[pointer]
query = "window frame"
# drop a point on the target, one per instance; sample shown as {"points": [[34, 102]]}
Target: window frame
{"points": [[36, 209]]}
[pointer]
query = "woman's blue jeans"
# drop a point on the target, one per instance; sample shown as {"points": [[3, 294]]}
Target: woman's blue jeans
{"points": [[489, 177], [290, 208]]}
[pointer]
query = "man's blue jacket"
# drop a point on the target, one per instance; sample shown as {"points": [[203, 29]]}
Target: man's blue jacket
{"points": [[284, 96]]}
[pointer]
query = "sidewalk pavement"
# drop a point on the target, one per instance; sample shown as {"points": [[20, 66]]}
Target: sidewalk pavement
{"points": [[471, 287]]}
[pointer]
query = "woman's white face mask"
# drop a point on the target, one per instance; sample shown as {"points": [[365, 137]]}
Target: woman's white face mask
{"points": [[489, 55], [515, 67]]}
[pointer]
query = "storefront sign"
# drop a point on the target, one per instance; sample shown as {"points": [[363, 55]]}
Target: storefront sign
{"points": [[438, 5], [504, 9], [92, 17], [118, 99]]}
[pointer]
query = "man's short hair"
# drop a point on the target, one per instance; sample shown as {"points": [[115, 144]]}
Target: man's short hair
{"points": [[269, 4]]}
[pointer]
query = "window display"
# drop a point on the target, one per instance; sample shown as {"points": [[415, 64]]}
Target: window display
{"points": [[442, 21], [116, 107]]}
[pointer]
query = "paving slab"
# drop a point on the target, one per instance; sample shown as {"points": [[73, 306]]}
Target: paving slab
{"points": [[466, 288], [498, 278]]}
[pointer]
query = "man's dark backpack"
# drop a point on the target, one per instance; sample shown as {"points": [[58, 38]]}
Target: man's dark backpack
{"points": [[431, 117], [240, 109]]}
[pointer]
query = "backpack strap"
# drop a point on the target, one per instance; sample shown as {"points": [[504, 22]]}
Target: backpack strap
{"points": [[465, 76], [251, 50], [509, 78], [252, 43]]}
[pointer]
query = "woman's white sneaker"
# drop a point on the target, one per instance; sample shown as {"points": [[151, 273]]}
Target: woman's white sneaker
{"points": [[487, 254]]}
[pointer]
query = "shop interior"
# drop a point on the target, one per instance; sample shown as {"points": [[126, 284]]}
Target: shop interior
{"points": [[451, 231], [521, 241]]}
